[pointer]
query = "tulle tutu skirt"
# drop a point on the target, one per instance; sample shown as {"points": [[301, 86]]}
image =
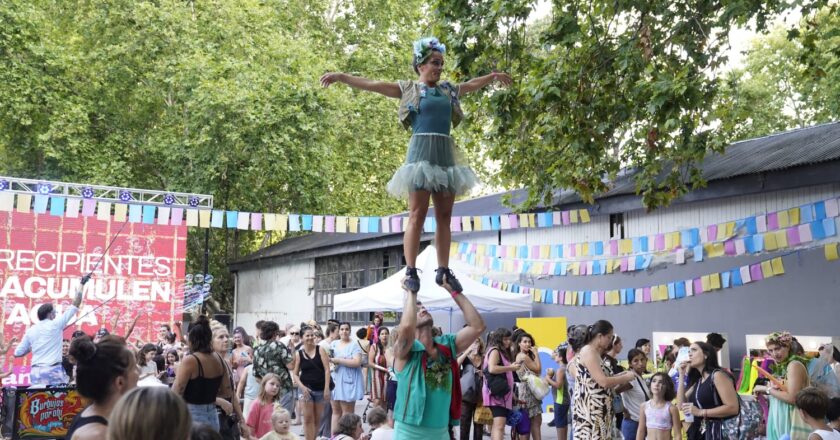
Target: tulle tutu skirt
{"points": [[433, 164]]}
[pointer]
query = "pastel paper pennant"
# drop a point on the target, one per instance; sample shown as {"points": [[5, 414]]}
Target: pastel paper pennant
{"points": [[793, 236], [192, 217], [830, 227], [24, 201], [761, 223], [217, 219], [831, 253], [7, 201], [204, 218], [40, 206], [784, 219], [135, 213], [163, 215], [832, 209], [736, 278], [819, 211], [766, 269], [256, 221], [72, 207], [231, 219], [778, 266], [120, 212], [149, 212], [806, 213], [57, 206], [755, 272], [772, 221], [306, 222], [176, 216], [698, 253], [88, 207], [746, 276]]}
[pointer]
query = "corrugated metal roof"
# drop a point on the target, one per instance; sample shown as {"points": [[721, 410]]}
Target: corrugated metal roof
{"points": [[779, 151], [776, 152]]}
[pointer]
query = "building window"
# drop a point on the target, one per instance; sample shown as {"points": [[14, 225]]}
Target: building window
{"points": [[617, 226], [349, 272]]}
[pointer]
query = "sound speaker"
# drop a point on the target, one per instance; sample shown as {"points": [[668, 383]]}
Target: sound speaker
{"points": [[225, 319]]}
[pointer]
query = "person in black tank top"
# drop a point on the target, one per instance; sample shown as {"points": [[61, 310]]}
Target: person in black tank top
{"points": [[202, 390], [700, 396], [104, 372], [311, 375], [200, 376]]}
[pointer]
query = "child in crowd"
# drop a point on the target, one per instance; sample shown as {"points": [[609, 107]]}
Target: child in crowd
{"points": [[658, 418], [248, 389], [813, 404], [562, 393], [201, 431], [149, 413], [833, 414], [168, 373], [259, 417], [146, 361], [280, 421], [634, 395], [378, 420]]}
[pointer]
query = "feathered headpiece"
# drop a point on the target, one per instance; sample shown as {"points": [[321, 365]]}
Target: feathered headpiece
{"points": [[424, 47], [781, 338]]}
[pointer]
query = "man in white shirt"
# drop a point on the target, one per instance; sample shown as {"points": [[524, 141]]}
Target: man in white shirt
{"points": [[44, 340]]}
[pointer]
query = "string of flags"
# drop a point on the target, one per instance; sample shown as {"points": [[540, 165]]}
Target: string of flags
{"points": [[134, 212], [801, 225], [788, 238], [676, 290]]}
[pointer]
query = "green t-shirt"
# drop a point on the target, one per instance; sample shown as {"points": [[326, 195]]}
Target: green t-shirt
{"points": [[429, 418]]}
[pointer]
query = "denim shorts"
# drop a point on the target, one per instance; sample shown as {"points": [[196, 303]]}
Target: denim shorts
{"points": [[561, 415], [53, 375], [287, 401], [314, 397], [204, 414]]}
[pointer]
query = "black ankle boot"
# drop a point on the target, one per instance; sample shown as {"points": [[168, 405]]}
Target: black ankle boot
{"points": [[446, 273], [411, 281]]}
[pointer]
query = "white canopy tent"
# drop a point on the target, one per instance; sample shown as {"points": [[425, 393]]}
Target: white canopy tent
{"points": [[388, 295]]}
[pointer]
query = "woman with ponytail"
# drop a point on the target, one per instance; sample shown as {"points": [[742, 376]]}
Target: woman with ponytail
{"points": [[593, 395], [705, 393], [497, 362], [201, 375], [104, 372]]}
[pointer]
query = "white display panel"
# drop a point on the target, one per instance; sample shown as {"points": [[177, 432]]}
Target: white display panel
{"points": [[667, 338], [809, 343]]}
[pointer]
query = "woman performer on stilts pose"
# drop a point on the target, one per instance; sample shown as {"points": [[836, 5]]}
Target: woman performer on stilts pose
{"points": [[434, 167]]}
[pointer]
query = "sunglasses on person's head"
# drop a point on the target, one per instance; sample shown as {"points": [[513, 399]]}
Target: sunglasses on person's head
{"points": [[294, 334]]}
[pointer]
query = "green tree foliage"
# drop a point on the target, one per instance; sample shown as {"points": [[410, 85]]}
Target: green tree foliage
{"points": [[601, 86], [213, 97], [790, 79]]}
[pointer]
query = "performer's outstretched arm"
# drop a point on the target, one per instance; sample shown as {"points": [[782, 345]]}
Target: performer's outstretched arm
{"points": [[405, 336], [389, 89], [479, 83], [475, 325]]}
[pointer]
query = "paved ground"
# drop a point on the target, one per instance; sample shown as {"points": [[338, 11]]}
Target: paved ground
{"points": [[548, 433]]}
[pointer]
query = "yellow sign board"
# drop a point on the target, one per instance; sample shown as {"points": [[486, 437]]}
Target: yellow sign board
{"points": [[547, 332]]}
